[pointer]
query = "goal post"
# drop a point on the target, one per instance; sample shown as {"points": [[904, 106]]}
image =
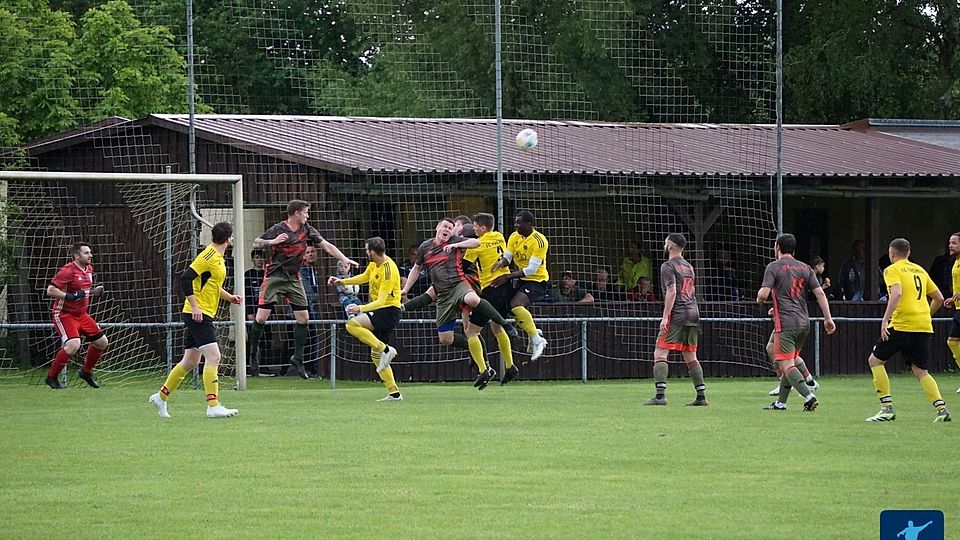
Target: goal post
{"points": [[144, 230]]}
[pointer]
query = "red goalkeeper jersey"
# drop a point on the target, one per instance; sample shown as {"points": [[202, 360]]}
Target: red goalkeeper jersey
{"points": [[70, 279]]}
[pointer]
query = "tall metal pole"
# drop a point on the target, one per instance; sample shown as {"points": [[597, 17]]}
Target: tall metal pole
{"points": [[191, 132], [498, 71], [779, 91]]}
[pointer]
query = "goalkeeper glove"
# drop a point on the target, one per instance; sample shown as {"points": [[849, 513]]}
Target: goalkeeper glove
{"points": [[79, 295]]}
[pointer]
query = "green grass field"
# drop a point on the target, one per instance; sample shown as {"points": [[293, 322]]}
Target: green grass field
{"points": [[533, 460]]}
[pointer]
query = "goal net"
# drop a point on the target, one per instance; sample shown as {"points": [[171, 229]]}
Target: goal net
{"points": [[670, 70], [143, 234]]}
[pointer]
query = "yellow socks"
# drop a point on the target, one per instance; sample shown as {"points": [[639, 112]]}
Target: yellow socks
{"points": [[211, 385], [882, 384], [173, 381], [476, 352], [954, 345], [365, 336], [932, 391], [503, 341], [524, 320]]}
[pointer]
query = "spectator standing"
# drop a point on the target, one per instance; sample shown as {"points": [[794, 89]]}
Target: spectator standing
{"points": [[634, 266], [851, 277]]}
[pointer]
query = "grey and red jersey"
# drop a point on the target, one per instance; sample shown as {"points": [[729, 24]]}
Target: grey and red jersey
{"points": [[286, 258], [446, 269], [789, 281], [678, 272]]}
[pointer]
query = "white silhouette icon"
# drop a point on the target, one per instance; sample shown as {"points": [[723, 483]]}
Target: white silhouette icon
{"points": [[911, 532]]}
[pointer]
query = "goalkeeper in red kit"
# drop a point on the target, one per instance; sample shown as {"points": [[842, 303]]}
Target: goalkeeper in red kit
{"points": [[71, 289]]}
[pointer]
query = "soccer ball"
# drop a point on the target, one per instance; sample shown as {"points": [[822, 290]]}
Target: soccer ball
{"points": [[352, 289], [527, 140]]}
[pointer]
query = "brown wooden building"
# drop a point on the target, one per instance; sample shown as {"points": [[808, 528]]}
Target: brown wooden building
{"points": [[394, 177]]}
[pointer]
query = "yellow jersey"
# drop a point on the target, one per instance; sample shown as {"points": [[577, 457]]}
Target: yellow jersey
{"points": [[523, 249], [211, 270], [384, 284], [913, 311], [955, 273], [492, 246]]}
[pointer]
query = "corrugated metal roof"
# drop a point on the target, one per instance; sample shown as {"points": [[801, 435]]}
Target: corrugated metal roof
{"points": [[460, 145]]}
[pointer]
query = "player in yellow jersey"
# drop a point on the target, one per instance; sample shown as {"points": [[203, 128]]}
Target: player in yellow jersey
{"points": [[953, 341], [527, 251], [484, 259], [202, 283], [906, 328], [375, 321]]}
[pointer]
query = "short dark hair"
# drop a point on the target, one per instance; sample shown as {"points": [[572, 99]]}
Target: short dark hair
{"points": [[257, 254], [377, 245], [75, 248], [447, 219], [525, 216], [787, 243], [815, 261], [677, 239], [484, 219], [901, 246], [222, 232], [297, 205], [462, 219], [957, 234]]}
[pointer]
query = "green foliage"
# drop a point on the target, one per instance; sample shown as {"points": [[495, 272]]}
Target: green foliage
{"points": [[532, 460], [852, 59], [57, 74]]}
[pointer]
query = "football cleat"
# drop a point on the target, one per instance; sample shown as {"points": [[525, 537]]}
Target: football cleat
{"points": [[397, 396], [942, 416], [811, 403], [776, 406], [885, 415], [88, 378], [813, 385], [220, 412], [510, 375], [160, 404], [299, 367], [484, 378], [775, 391], [537, 344], [386, 357], [698, 403], [52, 382], [656, 401]]}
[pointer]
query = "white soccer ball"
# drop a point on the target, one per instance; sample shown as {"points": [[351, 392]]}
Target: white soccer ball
{"points": [[527, 140], [352, 289]]}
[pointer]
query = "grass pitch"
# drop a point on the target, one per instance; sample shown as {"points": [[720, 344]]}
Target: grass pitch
{"points": [[532, 460]]}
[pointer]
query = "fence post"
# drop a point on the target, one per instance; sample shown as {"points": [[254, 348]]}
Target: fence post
{"points": [[583, 350], [816, 348], [333, 356]]}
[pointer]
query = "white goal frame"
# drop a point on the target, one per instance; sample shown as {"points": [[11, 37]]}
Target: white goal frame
{"points": [[237, 313]]}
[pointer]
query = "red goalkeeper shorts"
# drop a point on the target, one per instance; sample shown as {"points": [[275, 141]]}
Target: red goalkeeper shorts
{"points": [[75, 326]]}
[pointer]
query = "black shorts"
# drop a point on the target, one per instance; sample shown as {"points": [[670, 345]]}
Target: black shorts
{"points": [[955, 326], [384, 320], [197, 334], [536, 291], [499, 298], [914, 346]]}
